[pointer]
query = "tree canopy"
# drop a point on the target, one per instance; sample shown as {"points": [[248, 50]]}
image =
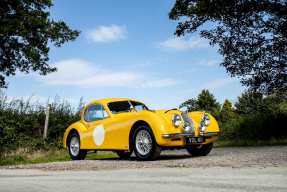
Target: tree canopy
{"points": [[25, 30], [251, 34], [205, 101]]}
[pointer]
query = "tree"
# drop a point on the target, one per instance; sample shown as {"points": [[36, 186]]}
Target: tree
{"points": [[227, 106], [25, 30], [190, 104], [250, 103], [205, 101], [251, 34]]}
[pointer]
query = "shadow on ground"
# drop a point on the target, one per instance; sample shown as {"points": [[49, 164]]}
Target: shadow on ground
{"points": [[161, 157]]}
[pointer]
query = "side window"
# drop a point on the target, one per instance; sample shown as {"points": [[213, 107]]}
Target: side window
{"points": [[95, 112], [105, 113], [139, 108]]}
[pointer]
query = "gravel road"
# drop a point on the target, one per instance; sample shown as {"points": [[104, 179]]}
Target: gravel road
{"points": [[229, 157], [237, 169], [232, 157]]}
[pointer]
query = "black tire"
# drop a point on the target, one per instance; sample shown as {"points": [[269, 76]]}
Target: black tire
{"points": [[152, 151], [124, 155], [74, 147], [201, 150]]}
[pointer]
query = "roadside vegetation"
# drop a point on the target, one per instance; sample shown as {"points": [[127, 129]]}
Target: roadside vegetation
{"points": [[255, 121]]}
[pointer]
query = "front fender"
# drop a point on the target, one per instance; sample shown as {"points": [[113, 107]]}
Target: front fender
{"points": [[78, 126], [161, 124], [212, 127]]}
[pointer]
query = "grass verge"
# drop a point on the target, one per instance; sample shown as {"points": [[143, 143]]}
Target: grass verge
{"points": [[22, 156]]}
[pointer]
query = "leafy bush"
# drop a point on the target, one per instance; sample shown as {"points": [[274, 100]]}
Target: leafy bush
{"points": [[260, 126]]}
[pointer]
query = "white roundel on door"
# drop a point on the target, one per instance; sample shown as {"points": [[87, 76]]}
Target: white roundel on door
{"points": [[99, 135]]}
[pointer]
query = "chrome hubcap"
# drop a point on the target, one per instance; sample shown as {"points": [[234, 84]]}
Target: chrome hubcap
{"points": [[75, 146], [143, 142]]}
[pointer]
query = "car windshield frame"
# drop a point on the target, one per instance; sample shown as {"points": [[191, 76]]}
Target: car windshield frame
{"points": [[125, 109]]}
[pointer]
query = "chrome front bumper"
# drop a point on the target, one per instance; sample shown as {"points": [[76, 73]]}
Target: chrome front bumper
{"points": [[209, 133], [167, 135], [175, 134]]}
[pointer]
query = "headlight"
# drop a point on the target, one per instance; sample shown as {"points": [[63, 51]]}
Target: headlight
{"points": [[205, 119], [186, 127], [176, 120], [202, 126]]}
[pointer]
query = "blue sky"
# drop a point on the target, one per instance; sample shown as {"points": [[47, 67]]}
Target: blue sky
{"points": [[127, 49]]}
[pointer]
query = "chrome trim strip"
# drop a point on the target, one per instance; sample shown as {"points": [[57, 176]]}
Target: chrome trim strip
{"points": [[209, 133], [167, 135], [175, 134]]}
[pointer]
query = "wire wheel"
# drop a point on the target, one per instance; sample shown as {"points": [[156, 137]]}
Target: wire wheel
{"points": [[143, 142], [74, 146]]}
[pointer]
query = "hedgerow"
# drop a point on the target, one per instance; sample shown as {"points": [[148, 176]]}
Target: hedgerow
{"points": [[22, 122]]}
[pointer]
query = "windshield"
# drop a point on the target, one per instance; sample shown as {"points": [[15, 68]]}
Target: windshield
{"points": [[125, 106], [139, 106]]}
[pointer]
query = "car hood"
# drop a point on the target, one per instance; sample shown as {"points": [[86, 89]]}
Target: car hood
{"points": [[168, 111]]}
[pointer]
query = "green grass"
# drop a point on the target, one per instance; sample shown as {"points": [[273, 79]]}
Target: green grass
{"points": [[21, 157], [248, 143]]}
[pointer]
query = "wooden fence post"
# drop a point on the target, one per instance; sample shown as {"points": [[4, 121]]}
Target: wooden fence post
{"points": [[47, 121]]}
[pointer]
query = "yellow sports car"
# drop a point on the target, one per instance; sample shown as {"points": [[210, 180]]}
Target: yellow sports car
{"points": [[126, 126]]}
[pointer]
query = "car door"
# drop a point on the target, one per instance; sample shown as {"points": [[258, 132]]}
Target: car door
{"points": [[97, 121]]}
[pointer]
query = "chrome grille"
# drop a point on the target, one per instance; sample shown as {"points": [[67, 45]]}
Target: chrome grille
{"points": [[186, 118]]}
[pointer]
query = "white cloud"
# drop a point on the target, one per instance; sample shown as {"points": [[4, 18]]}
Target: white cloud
{"points": [[220, 83], [181, 44], [207, 63], [80, 73], [107, 34]]}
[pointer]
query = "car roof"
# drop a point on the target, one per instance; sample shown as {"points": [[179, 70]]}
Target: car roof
{"points": [[105, 101]]}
